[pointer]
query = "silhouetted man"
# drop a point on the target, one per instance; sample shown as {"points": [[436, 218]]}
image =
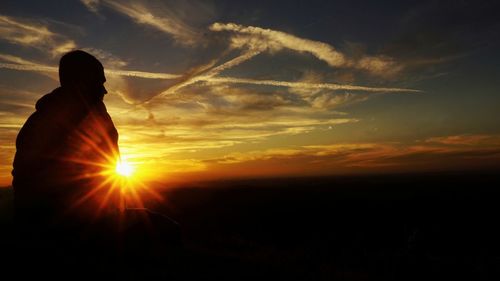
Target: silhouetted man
{"points": [[66, 206], [66, 145]]}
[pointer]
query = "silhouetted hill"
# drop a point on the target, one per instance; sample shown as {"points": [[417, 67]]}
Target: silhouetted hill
{"points": [[390, 227], [385, 227], [6, 204]]}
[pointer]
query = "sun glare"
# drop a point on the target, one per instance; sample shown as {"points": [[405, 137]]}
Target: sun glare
{"points": [[123, 168]]}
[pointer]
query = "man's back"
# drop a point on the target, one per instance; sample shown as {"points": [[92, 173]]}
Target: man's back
{"points": [[65, 146]]}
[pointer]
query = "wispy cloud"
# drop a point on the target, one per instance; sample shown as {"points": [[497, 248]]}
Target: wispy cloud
{"points": [[330, 101], [271, 40], [219, 116], [142, 74], [303, 85], [29, 67], [33, 34], [467, 140], [255, 40], [164, 19], [107, 58], [208, 76], [92, 5], [382, 66], [202, 74], [211, 77], [18, 63], [252, 41], [356, 158]]}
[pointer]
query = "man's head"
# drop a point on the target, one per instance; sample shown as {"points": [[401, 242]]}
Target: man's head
{"points": [[79, 70]]}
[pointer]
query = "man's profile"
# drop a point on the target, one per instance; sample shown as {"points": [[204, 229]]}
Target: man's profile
{"points": [[65, 144]]}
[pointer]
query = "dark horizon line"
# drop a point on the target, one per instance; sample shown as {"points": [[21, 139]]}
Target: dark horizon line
{"points": [[361, 175]]}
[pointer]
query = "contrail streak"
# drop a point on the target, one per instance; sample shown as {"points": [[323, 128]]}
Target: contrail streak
{"points": [[212, 72], [29, 67], [142, 74], [303, 85], [209, 77], [275, 40], [128, 73]]}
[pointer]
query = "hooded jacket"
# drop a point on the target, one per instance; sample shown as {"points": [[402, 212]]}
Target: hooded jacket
{"points": [[63, 149]]}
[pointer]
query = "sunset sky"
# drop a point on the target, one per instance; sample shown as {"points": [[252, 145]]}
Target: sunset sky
{"points": [[222, 89]]}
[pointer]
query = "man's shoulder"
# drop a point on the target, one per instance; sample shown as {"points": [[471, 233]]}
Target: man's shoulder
{"points": [[47, 101], [102, 112]]}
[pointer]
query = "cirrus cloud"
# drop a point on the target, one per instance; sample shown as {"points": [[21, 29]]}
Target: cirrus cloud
{"points": [[34, 34]]}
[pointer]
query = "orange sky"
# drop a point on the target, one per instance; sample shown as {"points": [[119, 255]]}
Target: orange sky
{"points": [[205, 90]]}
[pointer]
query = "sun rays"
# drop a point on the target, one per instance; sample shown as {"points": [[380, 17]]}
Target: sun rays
{"points": [[109, 180]]}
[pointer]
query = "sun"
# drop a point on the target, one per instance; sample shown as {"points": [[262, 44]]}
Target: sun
{"points": [[123, 168]]}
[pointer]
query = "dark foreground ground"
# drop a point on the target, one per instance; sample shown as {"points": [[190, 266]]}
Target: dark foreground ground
{"points": [[397, 227]]}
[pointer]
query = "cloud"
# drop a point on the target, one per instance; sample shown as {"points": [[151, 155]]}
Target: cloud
{"points": [[303, 85], [329, 100], [211, 77], [167, 20], [342, 158], [29, 67], [380, 65], [212, 117], [466, 140], [18, 63], [191, 133], [142, 74], [92, 5], [255, 40], [272, 41], [201, 73], [308, 76], [107, 58], [33, 34], [206, 74]]}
